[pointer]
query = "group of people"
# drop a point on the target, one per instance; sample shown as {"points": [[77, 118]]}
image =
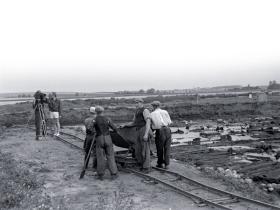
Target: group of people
{"points": [[145, 123]]}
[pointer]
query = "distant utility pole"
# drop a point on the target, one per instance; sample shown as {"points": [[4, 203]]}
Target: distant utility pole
{"points": [[197, 98]]}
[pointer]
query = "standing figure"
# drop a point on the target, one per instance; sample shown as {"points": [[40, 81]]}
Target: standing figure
{"points": [[38, 106], [104, 144], [90, 136], [142, 122], [160, 123], [55, 112]]}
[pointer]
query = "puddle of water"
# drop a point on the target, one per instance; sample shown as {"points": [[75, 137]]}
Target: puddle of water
{"points": [[188, 136], [260, 155], [225, 148], [242, 138]]}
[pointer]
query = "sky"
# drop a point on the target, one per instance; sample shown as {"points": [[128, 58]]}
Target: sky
{"points": [[91, 46]]}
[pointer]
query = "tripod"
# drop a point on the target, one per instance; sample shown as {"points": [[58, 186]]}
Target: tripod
{"points": [[42, 119], [87, 158]]}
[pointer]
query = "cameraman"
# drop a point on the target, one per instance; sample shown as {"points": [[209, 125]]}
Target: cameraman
{"points": [[39, 100]]}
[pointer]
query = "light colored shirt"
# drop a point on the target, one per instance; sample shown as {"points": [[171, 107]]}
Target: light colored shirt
{"points": [[160, 118], [146, 114]]}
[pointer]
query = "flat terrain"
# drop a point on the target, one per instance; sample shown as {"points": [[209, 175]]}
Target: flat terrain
{"points": [[180, 108], [45, 174]]}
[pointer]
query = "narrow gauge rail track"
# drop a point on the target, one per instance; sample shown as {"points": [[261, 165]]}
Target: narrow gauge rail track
{"points": [[71, 140], [228, 197], [200, 193], [73, 136]]}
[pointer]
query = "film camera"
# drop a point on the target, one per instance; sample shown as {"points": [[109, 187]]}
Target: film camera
{"points": [[40, 97]]}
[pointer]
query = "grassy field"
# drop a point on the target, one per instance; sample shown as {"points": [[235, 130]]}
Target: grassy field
{"points": [[180, 108]]}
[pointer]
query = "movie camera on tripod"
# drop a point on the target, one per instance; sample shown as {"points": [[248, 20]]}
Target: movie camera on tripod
{"points": [[40, 119]]}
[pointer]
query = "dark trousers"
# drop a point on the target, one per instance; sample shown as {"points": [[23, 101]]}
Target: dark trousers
{"points": [[163, 142], [142, 149], [37, 123], [105, 150], [87, 144]]}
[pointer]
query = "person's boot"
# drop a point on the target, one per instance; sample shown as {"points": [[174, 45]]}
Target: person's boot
{"points": [[114, 176], [159, 166], [94, 165]]}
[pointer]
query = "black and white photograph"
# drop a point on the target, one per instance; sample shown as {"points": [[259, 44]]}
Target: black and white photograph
{"points": [[139, 105]]}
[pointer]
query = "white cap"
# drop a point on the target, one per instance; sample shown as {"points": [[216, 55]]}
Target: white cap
{"points": [[92, 109]]}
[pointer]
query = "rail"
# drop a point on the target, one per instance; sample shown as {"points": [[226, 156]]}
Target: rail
{"points": [[220, 201]]}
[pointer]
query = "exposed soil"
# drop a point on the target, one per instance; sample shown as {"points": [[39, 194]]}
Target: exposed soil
{"points": [[45, 175], [243, 155]]}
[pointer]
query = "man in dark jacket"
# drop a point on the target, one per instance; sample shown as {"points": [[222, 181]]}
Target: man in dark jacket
{"points": [[104, 145], [142, 123]]}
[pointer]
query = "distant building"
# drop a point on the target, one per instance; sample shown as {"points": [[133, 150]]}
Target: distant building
{"points": [[177, 91]]}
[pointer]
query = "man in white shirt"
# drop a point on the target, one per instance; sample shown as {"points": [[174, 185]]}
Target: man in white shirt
{"points": [[160, 123]]}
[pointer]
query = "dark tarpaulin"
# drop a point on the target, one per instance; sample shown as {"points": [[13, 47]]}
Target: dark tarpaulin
{"points": [[126, 138]]}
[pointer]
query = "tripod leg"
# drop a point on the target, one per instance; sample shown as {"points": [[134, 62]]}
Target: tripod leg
{"points": [[88, 142], [43, 122], [87, 159], [37, 124]]}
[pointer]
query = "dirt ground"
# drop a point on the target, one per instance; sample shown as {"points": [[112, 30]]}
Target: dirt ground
{"points": [[45, 175]]}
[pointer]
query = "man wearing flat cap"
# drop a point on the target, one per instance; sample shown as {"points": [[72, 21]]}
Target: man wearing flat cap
{"points": [[160, 123], [142, 122], [90, 131]]}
